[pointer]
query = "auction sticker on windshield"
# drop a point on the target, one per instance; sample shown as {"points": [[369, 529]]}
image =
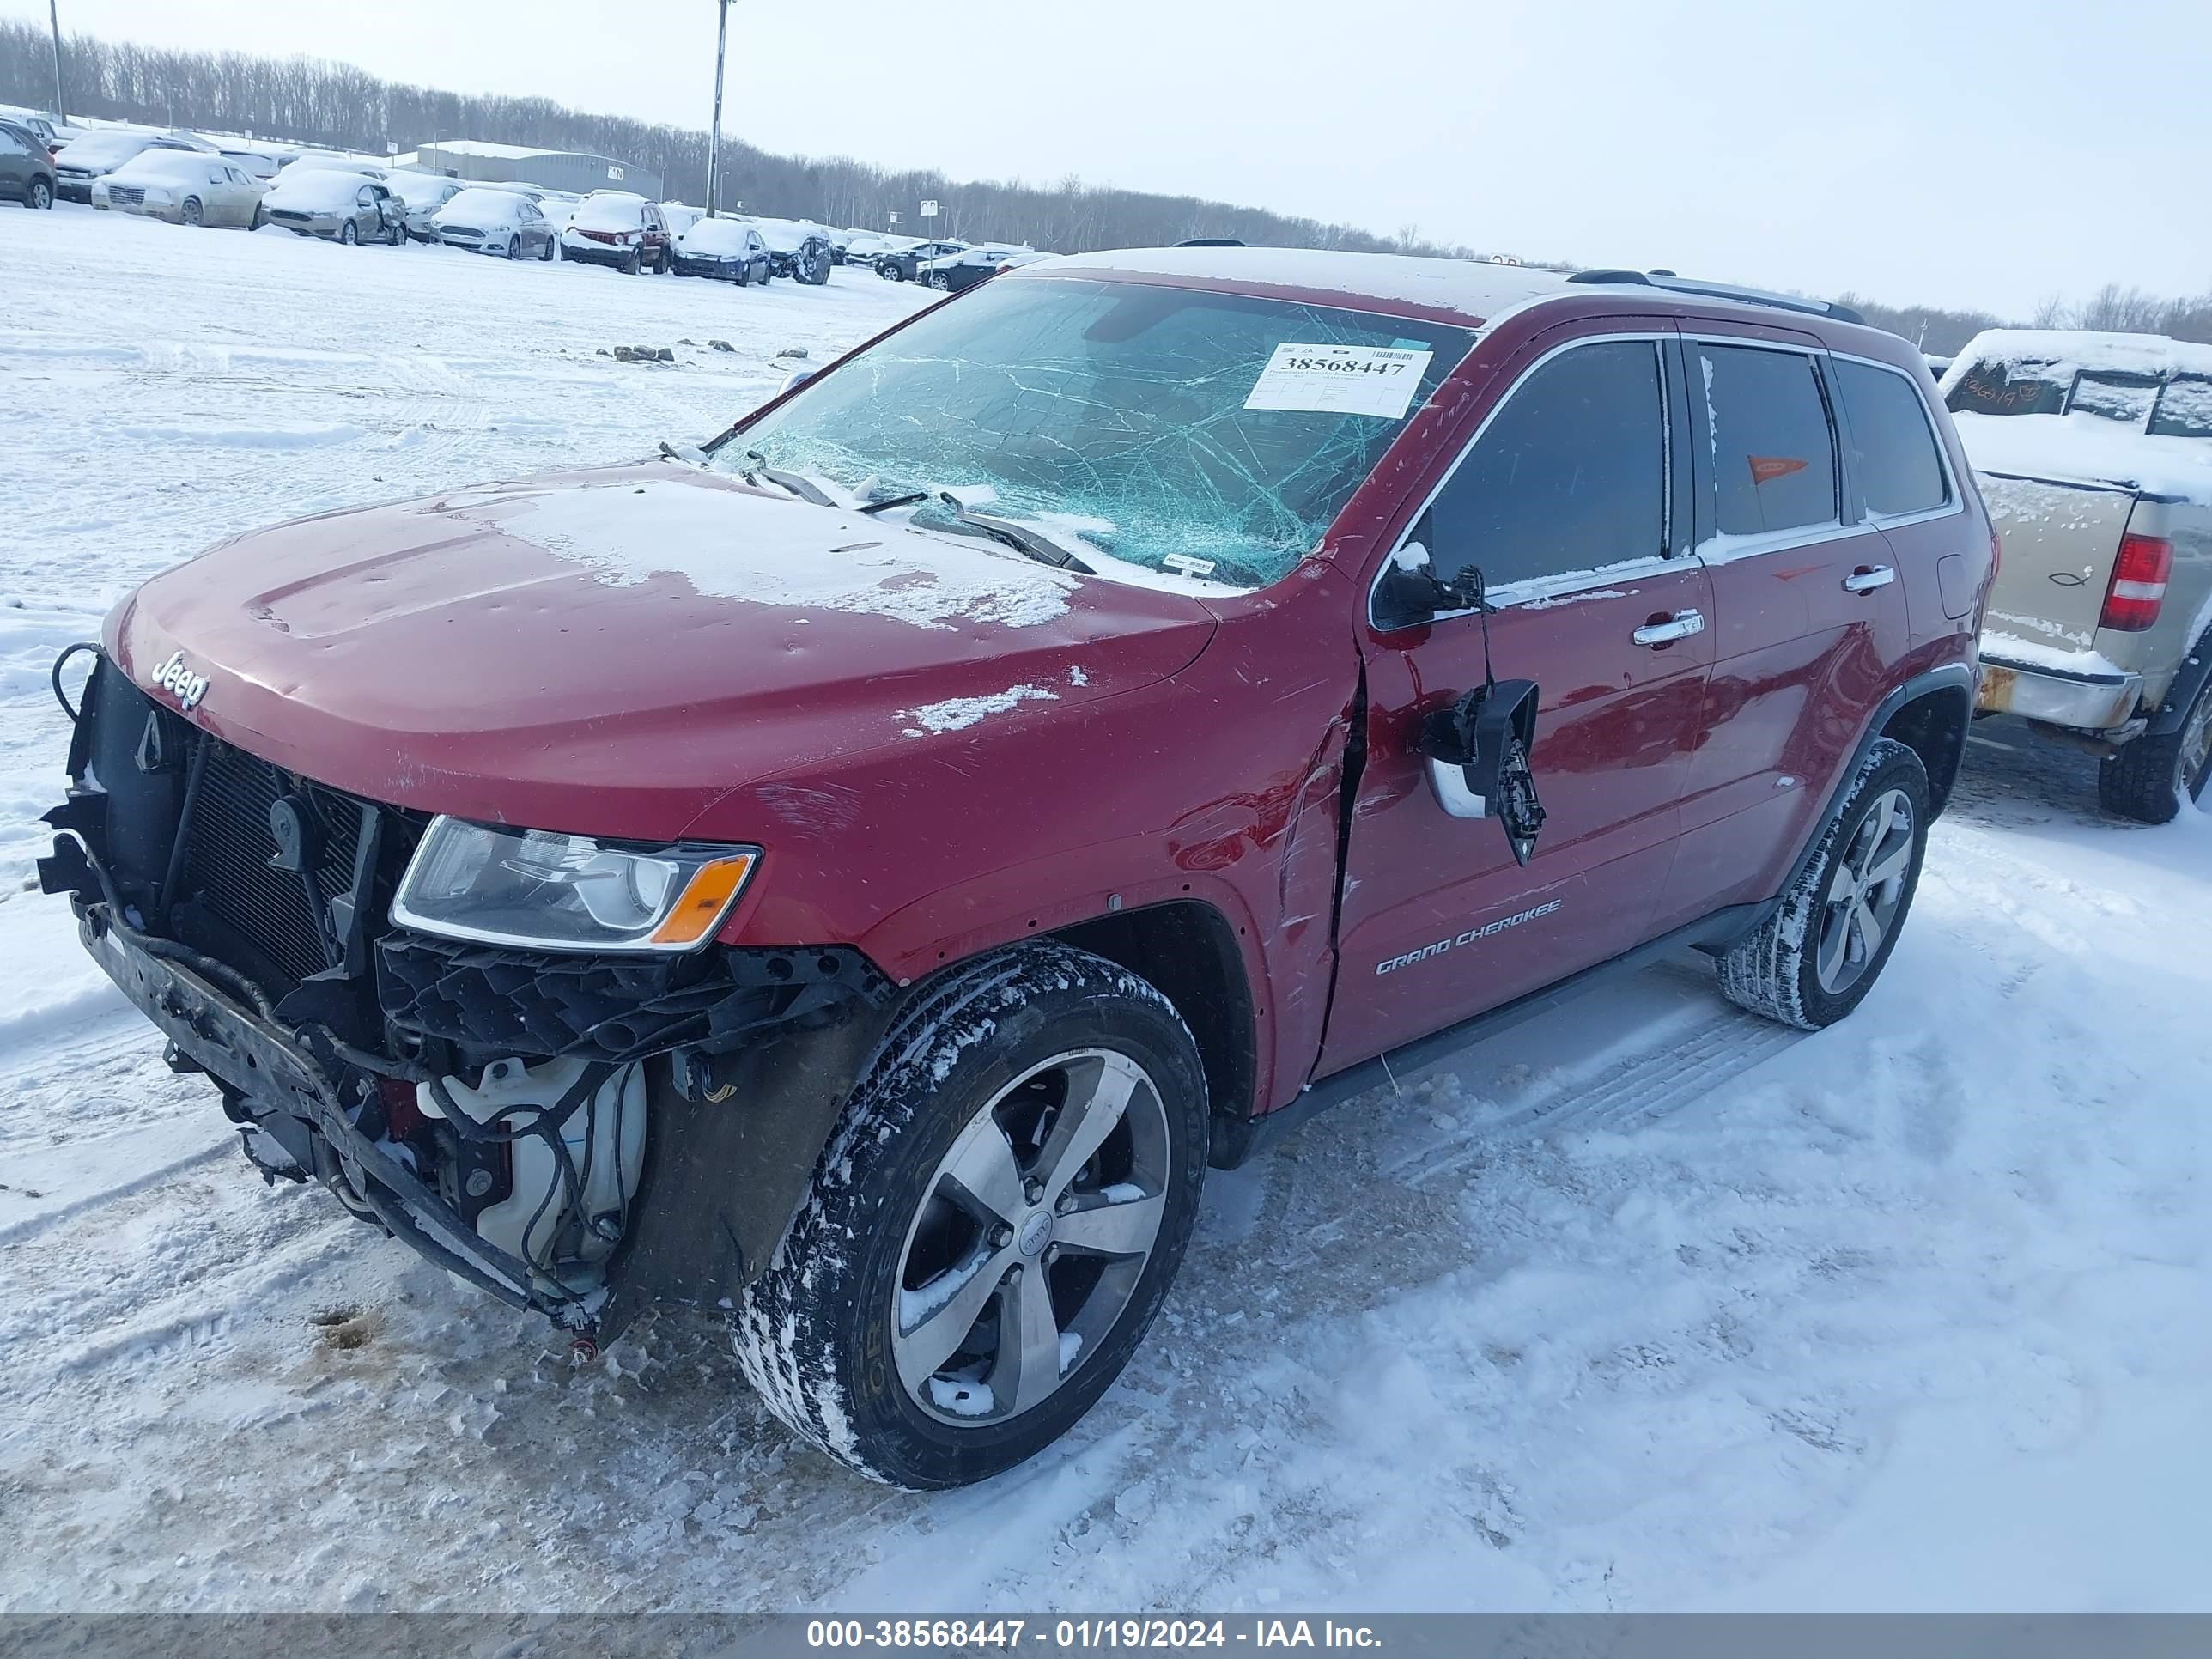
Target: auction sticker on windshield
{"points": [[1340, 380]]}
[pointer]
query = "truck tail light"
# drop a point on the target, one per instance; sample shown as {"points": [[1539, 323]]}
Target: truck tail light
{"points": [[2138, 589]]}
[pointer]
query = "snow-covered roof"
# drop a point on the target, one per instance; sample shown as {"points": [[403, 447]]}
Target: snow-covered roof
{"points": [[489, 151], [2069, 349], [1472, 290]]}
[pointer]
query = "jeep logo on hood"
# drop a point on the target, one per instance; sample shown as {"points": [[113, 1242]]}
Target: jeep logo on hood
{"points": [[176, 678]]}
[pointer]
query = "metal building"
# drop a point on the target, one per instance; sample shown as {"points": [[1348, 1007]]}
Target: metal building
{"points": [[554, 169]]}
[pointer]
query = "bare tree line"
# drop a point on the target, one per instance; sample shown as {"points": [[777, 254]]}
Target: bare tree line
{"points": [[307, 101], [310, 100]]}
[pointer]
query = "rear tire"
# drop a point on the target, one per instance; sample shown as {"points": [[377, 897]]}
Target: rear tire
{"points": [[2148, 778], [545, 253], [39, 196], [1038, 1095], [260, 218], [1815, 958]]}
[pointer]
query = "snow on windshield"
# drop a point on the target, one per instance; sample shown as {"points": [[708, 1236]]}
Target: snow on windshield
{"points": [[316, 190], [608, 213], [714, 236], [168, 165], [495, 206], [1191, 434]]}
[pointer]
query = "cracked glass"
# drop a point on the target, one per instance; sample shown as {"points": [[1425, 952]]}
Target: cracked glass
{"points": [[1108, 416]]}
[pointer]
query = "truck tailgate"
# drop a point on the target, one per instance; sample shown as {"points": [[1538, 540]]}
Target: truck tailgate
{"points": [[2060, 539]]}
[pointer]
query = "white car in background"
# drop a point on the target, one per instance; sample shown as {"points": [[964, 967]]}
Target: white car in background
{"points": [[485, 220], [681, 216], [102, 150], [184, 186], [423, 194]]}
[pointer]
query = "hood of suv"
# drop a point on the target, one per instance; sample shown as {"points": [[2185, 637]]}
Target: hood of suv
{"points": [[609, 652]]}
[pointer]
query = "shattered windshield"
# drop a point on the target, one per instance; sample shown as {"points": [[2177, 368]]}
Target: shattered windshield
{"points": [[1157, 432]]}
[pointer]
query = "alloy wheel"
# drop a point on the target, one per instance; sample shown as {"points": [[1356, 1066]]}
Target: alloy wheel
{"points": [[1864, 893], [2197, 747], [1031, 1238]]}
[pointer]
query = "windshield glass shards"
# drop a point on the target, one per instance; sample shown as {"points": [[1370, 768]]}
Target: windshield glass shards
{"points": [[1160, 432]]}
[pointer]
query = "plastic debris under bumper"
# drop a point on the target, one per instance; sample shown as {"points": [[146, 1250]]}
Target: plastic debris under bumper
{"points": [[257, 1058], [2085, 702]]}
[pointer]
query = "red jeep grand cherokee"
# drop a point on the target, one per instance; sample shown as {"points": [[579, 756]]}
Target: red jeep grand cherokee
{"points": [[863, 882]]}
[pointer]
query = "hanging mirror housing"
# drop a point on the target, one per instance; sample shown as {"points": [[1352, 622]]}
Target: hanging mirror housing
{"points": [[1477, 753]]}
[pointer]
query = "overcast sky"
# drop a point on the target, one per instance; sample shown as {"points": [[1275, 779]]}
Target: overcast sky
{"points": [[1955, 152]]}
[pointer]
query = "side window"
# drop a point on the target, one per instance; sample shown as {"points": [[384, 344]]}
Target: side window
{"points": [[1569, 475], [9, 145], [1893, 449], [1771, 450]]}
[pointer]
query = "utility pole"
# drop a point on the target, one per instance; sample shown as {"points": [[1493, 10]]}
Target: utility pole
{"points": [[54, 17], [715, 142]]}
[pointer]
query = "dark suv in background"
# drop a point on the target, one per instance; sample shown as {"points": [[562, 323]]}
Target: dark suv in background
{"points": [[26, 167], [880, 869], [900, 267]]}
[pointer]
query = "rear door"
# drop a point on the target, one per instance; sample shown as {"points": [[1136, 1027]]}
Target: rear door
{"points": [[1809, 615], [1565, 500]]}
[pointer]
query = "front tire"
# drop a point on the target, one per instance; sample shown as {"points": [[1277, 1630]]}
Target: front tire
{"points": [[993, 1226], [191, 213], [348, 235], [1815, 958], [2148, 778]]}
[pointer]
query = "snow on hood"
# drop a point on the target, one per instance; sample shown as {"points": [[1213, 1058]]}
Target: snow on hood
{"points": [[609, 652], [791, 553], [2089, 449]]}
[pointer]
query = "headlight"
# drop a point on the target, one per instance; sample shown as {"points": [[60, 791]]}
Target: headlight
{"points": [[553, 891]]}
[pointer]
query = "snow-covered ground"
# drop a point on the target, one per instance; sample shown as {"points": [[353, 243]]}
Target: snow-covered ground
{"points": [[1648, 1305]]}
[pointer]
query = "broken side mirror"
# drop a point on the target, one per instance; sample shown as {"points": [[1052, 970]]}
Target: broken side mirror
{"points": [[1478, 752], [1410, 594]]}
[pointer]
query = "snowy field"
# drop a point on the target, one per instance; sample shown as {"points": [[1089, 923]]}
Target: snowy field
{"points": [[1648, 1306]]}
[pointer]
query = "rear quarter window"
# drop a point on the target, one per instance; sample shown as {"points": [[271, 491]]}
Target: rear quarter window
{"points": [[1894, 453], [1768, 449], [1999, 388]]}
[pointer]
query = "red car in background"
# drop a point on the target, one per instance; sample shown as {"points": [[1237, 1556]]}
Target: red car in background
{"points": [[863, 882], [611, 227]]}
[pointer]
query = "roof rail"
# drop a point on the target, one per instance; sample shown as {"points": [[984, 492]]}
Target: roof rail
{"points": [[1755, 296], [1210, 241]]}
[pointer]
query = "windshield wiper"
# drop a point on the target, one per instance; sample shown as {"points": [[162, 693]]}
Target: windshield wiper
{"points": [[1019, 537], [889, 501], [790, 483]]}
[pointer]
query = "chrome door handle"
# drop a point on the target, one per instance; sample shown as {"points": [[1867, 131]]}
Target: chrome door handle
{"points": [[1867, 579], [1680, 626]]}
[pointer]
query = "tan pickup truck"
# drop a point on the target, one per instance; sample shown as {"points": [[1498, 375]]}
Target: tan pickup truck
{"points": [[2094, 453]]}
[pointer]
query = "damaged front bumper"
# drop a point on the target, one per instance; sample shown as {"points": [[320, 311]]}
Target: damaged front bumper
{"points": [[736, 1117], [279, 1073]]}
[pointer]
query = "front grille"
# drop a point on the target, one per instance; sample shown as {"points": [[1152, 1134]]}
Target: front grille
{"points": [[227, 847], [126, 195], [290, 213]]}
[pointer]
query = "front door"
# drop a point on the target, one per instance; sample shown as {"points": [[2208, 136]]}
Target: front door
{"points": [[1562, 500]]}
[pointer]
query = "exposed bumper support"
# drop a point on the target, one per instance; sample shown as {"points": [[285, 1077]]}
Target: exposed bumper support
{"points": [[254, 1057], [2085, 702]]}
